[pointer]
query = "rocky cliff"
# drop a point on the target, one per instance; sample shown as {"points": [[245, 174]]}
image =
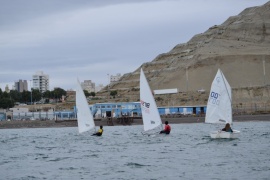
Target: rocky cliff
{"points": [[240, 47]]}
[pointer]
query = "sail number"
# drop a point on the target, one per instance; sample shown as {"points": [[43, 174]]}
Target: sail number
{"points": [[214, 95], [145, 106], [214, 98]]}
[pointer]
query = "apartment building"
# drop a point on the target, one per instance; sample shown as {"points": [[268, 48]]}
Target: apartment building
{"points": [[115, 78], [41, 81], [21, 85], [88, 85]]}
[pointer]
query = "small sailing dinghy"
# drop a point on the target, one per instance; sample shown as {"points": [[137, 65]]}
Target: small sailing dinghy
{"points": [[84, 116], [219, 108], [152, 123]]}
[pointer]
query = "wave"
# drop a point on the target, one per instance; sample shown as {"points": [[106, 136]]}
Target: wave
{"points": [[136, 165]]}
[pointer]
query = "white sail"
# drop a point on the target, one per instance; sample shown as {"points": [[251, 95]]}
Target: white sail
{"points": [[150, 114], [219, 109], [84, 115]]}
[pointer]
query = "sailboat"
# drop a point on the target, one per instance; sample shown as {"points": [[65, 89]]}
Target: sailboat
{"points": [[151, 119], [84, 116], [219, 106]]}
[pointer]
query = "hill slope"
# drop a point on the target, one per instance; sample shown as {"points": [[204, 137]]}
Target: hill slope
{"points": [[240, 47]]}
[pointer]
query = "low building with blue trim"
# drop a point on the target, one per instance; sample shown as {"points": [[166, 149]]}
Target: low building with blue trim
{"points": [[102, 110]]}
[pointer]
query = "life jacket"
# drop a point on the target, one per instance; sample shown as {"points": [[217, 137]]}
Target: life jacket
{"points": [[100, 131], [167, 128]]}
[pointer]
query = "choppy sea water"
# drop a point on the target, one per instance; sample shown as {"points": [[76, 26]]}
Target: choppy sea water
{"points": [[124, 153]]}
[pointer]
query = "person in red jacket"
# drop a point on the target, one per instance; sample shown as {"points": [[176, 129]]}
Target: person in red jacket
{"points": [[167, 128]]}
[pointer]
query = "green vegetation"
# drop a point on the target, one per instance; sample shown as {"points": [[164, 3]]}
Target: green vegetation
{"points": [[113, 93], [7, 100], [87, 94]]}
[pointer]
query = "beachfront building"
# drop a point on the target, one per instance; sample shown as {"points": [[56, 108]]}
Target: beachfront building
{"points": [[183, 110], [133, 109], [41, 81], [88, 85], [102, 110], [21, 85], [115, 78]]}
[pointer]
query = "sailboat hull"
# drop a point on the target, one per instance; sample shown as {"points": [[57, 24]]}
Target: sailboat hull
{"points": [[225, 135]]}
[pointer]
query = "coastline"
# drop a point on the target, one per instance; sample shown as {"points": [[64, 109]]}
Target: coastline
{"points": [[114, 122]]}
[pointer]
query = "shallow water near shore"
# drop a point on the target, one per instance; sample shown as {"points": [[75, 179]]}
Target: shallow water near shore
{"points": [[124, 153]]}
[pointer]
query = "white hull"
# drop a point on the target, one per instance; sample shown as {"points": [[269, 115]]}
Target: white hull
{"points": [[225, 135]]}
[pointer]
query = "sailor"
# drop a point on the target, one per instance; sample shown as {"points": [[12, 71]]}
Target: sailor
{"points": [[99, 133], [227, 128], [167, 128]]}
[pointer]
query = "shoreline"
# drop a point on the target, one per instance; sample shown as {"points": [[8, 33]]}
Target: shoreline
{"points": [[114, 122]]}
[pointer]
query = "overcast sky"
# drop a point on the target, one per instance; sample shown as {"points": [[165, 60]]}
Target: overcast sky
{"points": [[89, 39]]}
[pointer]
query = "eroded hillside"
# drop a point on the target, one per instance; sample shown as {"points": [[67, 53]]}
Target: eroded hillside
{"points": [[240, 47]]}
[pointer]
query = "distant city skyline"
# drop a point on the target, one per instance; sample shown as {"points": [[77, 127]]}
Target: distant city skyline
{"points": [[27, 85], [91, 39]]}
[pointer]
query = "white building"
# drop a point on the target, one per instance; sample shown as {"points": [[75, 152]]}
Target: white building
{"points": [[88, 85], [19, 110], [166, 91], [115, 78], [41, 81], [7, 89]]}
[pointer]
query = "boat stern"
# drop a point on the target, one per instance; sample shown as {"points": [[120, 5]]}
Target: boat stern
{"points": [[225, 135]]}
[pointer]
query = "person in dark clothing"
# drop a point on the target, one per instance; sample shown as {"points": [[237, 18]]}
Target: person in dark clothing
{"points": [[227, 128], [167, 128], [99, 133]]}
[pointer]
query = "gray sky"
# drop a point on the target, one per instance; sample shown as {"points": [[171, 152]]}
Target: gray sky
{"points": [[89, 39]]}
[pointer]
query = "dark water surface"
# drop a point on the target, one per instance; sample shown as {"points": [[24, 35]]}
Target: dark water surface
{"points": [[124, 153]]}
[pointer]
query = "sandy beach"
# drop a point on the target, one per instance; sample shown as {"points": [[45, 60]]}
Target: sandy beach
{"points": [[115, 122]]}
